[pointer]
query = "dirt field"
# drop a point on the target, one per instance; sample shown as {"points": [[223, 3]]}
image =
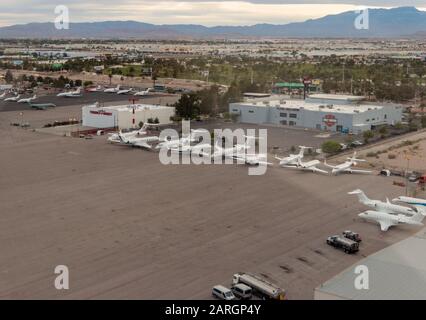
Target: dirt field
{"points": [[130, 228]]}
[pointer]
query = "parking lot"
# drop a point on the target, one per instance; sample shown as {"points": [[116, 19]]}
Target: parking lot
{"points": [[129, 227]]}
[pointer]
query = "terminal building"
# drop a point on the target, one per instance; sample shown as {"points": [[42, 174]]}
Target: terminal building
{"points": [[125, 116], [336, 113]]}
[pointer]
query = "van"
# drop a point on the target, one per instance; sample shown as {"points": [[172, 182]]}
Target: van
{"points": [[222, 293], [242, 291]]}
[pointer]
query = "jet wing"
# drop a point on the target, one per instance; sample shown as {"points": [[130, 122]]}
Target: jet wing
{"points": [[315, 169], [142, 144], [329, 165], [384, 225], [357, 171]]}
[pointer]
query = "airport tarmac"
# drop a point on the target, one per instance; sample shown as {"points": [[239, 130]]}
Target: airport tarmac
{"points": [[86, 98], [129, 227]]}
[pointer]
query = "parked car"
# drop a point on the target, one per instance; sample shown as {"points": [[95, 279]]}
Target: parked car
{"points": [[352, 235], [242, 291], [222, 293], [357, 143]]}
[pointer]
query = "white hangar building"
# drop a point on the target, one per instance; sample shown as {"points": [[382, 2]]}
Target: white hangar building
{"points": [[331, 113], [124, 116]]}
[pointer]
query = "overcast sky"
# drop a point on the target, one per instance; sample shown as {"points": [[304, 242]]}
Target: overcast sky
{"points": [[206, 12]]}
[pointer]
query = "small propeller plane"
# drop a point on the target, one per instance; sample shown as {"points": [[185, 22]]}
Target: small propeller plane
{"points": [[347, 166]]}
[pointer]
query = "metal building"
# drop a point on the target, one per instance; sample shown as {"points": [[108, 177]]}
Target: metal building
{"points": [[344, 115], [125, 116], [394, 273]]}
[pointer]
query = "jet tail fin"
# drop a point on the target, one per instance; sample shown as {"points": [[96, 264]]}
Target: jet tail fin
{"points": [[418, 217], [361, 195]]}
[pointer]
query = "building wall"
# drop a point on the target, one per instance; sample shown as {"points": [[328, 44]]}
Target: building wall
{"points": [[325, 119], [123, 119], [99, 118]]}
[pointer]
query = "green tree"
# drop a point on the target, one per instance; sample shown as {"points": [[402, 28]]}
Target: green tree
{"points": [[8, 77], [188, 106], [331, 147], [368, 135]]}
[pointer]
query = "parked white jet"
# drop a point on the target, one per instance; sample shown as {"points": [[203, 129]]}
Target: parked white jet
{"points": [[71, 94], [143, 92], [188, 149], [293, 159], [27, 100], [308, 166], [138, 142], [115, 137], [13, 99], [387, 220], [346, 166], [112, 90], [94, 89], [386, 207], [411, 201], [184, 141], [125, 91], [238, 153]]}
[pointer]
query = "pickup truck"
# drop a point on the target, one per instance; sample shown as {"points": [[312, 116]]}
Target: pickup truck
{"points": [[347, 245]]}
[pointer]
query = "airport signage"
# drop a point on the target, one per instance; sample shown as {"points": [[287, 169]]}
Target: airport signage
{"points": [[101, 113], [329, 120]]}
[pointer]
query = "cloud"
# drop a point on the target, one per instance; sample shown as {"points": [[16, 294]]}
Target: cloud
{"points": [[206, 12]]}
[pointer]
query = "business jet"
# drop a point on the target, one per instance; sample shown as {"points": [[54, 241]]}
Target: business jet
{"points": [[387, 220], [184, 141], [13, 99], [143, 92], [411, 201], [347, 166], [70, 94], [112, 90], [293, 159], [126, 91], [138, 142], [94, 89], [188, 149], [115, 137], [27, 100], [307, 166], [386, 207], [238, 152]]}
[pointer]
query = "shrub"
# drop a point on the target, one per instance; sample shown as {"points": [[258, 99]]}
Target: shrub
{"points": [[331, 146]]}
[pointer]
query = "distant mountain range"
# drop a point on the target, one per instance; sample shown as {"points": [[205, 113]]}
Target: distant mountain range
{"points": [[383, 23]]}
